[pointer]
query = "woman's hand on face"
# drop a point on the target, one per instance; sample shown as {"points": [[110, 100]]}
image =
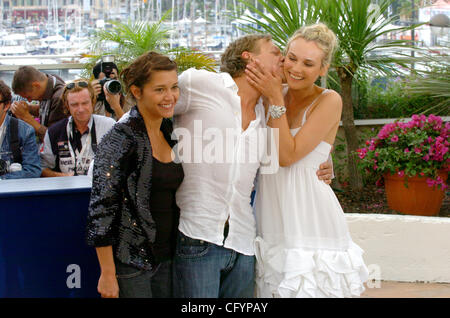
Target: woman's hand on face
{"points": [[108, 286], [267, 82]]}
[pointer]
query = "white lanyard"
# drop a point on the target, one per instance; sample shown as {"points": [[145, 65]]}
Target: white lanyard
{"points": [[80, 159]]}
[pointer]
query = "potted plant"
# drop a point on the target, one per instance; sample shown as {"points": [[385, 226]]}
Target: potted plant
{"points": [[413, 158]]}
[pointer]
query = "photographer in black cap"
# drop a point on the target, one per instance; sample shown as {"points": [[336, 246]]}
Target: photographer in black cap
{"points": [[110, 101]]}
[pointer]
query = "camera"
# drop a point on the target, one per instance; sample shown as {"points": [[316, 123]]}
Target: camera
{"points": [[113, 86]]}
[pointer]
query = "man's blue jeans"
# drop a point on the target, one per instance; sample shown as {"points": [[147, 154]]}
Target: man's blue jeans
{"points": [[136, 283], [206, 270]]}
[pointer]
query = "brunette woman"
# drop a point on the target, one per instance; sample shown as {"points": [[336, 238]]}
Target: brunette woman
{"points": [[133, 215]]}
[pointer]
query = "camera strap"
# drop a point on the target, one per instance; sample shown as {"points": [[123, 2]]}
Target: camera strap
{"points": [[2, 132], [44, 111], [81, 158], [14, 143]]}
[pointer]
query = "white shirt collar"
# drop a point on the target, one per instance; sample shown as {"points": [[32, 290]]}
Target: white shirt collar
{"points": [[228, 81]]}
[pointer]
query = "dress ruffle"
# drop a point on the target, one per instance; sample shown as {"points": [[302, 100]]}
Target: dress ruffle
{"points": [[303, 273]]}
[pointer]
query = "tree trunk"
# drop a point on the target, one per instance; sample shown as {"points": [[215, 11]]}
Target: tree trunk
{"points": [[348, 123]]}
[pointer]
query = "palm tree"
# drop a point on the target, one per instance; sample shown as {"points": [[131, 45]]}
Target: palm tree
{"points": [[127, 41], [357, 24], [434, 82]]}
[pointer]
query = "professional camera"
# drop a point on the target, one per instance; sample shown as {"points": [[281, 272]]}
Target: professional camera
{"points": [[113, 86]]}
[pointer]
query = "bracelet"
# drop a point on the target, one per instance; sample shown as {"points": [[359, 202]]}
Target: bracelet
{"points": [[276, 111]]}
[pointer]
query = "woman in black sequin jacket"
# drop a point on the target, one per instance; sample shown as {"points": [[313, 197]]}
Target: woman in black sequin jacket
{"points": [[121, 224]]}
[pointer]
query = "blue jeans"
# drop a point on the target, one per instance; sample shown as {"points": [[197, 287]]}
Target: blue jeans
{"points": [[137, 283], [206, 270]]}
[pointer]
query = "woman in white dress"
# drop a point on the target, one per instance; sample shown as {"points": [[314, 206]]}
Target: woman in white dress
{"points": [[303, 247]]}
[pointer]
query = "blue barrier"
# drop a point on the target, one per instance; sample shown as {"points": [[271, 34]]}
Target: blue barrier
{"points": [[42, 238]]}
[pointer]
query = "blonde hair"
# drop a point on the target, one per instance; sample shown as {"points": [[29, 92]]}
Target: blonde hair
{"points": [[320, 34]]}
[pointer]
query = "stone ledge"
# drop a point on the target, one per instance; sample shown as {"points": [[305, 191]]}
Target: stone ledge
{"points": [[403, 248]]}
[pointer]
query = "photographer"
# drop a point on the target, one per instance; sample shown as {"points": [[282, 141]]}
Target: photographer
{"points": [[31, 84], [70, 144], [109, 103], [19, 156]]}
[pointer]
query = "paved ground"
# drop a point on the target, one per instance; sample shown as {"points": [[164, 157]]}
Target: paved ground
{"points": [[390, 289]]}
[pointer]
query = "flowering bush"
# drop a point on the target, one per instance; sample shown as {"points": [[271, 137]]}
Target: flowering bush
{"points": [[418, 147]]}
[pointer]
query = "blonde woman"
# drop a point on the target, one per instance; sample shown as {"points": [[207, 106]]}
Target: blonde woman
{"points": [[303, 247]]}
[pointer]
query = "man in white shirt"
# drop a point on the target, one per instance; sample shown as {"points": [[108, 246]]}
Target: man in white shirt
{"points": [[69, 145], [216, 116]]}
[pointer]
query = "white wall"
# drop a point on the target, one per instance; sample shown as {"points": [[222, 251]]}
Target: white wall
{"points": [[406, 248]]}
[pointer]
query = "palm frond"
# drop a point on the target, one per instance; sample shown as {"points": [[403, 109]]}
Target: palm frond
{"points": [[186, 59], [127, 41]]}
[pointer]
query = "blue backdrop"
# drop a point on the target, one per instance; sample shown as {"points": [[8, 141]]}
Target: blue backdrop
{"points": [[42, 247]]}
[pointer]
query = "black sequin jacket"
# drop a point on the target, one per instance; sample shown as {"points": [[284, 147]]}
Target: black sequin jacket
{"points": [[119, 210]]}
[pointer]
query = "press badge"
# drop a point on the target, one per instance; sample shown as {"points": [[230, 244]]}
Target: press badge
{"points": [[63, 149]]}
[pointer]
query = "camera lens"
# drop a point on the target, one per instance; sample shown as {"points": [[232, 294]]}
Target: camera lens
{"points": [[113, 86]]}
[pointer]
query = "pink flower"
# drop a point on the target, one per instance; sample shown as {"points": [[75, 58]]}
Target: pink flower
{"points": [[401, 173], [375, 167], [417, 150], [426, 157], [379, 182], [406, 150], [362, 153], [431, 182], [394, 139]]}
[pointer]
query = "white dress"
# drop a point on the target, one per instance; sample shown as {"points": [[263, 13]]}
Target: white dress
{"points": [[303, 247]]}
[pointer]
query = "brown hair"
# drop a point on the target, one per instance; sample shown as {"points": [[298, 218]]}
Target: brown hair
{"points": [[232, 61], [24, 76], [139, 72], [77, 89], [5, 91], [320, 34]]}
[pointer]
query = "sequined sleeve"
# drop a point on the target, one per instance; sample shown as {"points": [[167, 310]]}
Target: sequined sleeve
{"points": [[113, 156]]}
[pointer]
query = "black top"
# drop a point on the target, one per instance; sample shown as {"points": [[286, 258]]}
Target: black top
{"points": [[166, 178]]}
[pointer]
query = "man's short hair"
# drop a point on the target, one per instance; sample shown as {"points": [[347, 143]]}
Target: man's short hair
{"points": [[77, 88], [5, 92], [23, 78], [232, 61]]}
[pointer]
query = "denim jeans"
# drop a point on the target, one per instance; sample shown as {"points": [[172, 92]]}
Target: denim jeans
{"points": [[206, 270], [137, 283]]}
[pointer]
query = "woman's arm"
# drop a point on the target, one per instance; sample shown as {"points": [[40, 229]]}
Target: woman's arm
{"points": [[109, 178], [107, 283], [321, 121]]}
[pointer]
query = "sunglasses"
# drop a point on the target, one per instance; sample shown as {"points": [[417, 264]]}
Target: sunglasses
{"points": [[81, 84], [4, 101]]}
